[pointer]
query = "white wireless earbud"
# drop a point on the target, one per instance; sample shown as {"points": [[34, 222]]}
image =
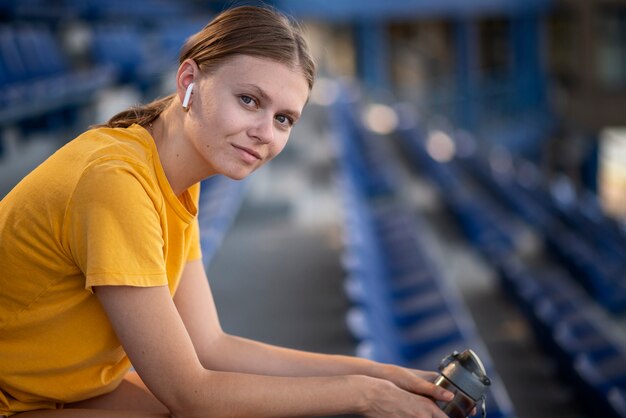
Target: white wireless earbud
{"points": [[187, 97]]}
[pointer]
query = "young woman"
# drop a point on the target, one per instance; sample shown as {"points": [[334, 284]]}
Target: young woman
{"points": [[100, 263]]}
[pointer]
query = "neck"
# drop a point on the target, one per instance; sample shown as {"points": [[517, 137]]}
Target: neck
{"points": [[175, 153]]}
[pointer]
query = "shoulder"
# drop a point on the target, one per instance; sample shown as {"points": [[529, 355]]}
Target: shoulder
{"points": [[131, 144], [117, 163], [101, 153]]}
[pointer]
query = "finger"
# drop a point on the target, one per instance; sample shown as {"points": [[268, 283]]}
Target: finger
{"points": [[425, 374], [426, 388], [420, 382]]}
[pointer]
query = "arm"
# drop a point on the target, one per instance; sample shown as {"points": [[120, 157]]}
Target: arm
{"points": [[162, 351], [220, 351]]}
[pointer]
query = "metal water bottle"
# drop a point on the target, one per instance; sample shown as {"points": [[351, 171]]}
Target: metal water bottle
{"points": [[464, 375]]}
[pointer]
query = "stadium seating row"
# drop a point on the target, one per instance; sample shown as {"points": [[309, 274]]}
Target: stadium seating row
{"points": [[36, 78], [95, 10], [572, 324], [584, 241], [587, 351], [43, 86], [404, 312]]}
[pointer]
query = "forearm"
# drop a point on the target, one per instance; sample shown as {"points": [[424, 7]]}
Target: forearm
{"points": [[218, 394], [231, 353]]}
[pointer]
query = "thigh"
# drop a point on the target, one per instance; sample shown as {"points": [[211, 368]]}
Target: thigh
{"points": [[131, 395], [131, 399], [89, 413]]}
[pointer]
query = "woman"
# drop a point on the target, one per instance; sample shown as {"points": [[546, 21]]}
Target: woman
{"points": [[101, 267]]}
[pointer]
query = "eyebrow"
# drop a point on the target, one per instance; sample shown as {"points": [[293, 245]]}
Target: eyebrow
{"points": [[295, 115]]}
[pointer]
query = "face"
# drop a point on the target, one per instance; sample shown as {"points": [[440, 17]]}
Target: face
{"points": [[241, 114]]}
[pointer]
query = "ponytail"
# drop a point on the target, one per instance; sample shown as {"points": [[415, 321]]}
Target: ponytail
{"points": [[142, 114]]}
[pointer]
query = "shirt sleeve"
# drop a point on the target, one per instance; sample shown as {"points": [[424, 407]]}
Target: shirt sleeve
{"points": [[115, 227]]}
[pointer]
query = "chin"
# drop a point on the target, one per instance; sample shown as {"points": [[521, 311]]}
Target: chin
{"points": [[237, 178], [237, 171], [237, 174]]}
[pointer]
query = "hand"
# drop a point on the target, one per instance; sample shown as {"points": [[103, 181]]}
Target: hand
{"points": [[402, 378], [419, 382], [385, 399]]}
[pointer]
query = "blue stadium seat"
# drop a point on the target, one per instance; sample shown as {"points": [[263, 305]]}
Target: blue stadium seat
{"points": [[36, 78], [127, 49], [582, 336]]}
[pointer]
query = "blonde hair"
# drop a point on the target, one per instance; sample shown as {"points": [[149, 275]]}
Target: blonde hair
{"points": [[246, 30]]}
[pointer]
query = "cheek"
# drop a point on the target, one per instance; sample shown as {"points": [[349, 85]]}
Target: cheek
{"points": [[280, 144]]}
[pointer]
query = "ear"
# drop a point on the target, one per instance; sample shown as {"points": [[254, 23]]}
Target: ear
{"points": [[187, 73]]}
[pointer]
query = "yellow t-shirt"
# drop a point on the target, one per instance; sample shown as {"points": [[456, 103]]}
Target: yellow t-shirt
{"points": [[100, 211]]}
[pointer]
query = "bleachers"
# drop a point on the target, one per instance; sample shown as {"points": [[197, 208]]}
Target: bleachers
{"points": [[49, 83], [586, 348], [565, 292], [142, 56], [36, 78], [126, 48], [591, 248], [95, 10], [404, 311]]}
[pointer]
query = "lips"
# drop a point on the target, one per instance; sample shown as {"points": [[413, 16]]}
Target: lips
{"points": [[247, 153]]}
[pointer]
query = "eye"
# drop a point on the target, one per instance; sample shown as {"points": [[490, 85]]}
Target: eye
{"points": [[284, 120], [247, 100]]}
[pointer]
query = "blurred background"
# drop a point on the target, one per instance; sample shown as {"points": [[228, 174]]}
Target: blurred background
{"points": [[457, 179]]}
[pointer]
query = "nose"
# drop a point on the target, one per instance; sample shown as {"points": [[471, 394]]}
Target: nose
{"points": [[263, 129]]}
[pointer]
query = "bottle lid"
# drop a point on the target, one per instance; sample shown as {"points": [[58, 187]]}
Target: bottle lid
{"points": [[466, 371]]}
